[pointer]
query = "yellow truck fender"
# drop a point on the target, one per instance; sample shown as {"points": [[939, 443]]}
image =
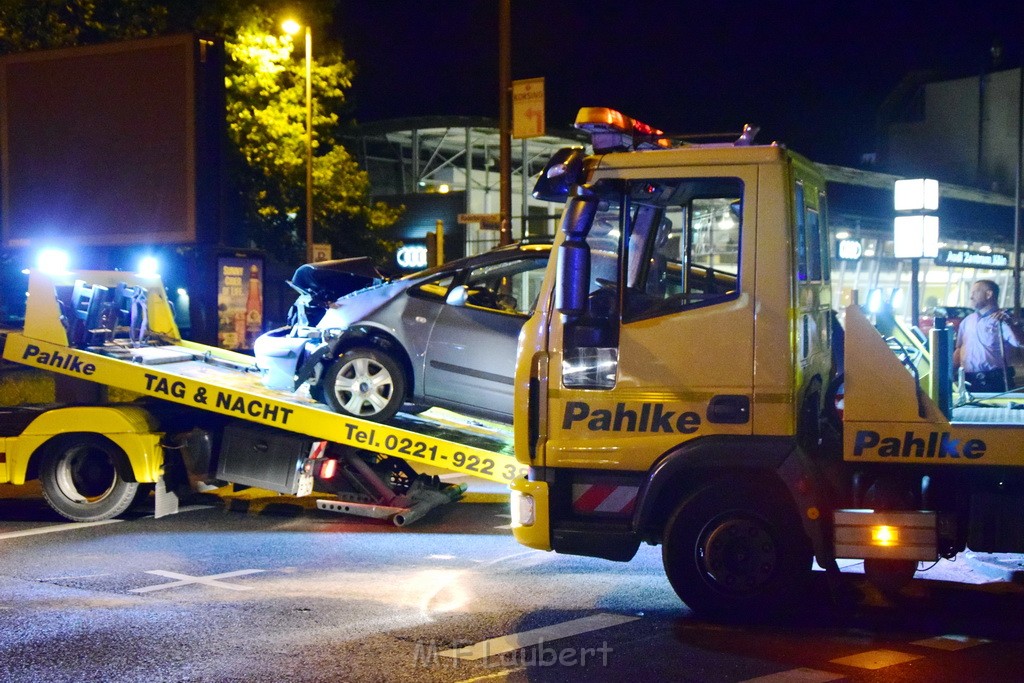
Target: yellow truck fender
{"points": [[131, 428]]}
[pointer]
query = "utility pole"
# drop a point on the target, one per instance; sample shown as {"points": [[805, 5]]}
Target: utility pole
{"points": [[1018, 190], [505, 118]]}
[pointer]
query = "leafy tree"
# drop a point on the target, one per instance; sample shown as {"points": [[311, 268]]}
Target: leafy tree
{"points": [[266, 119], [41, 24], [266, 112]]}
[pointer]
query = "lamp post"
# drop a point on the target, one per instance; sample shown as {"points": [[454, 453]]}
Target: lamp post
{"points": [[916, 229], [292, 27]]}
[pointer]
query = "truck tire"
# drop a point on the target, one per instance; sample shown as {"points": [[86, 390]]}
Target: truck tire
{"points": [[366, 383], [736, 552], [81, 482]]}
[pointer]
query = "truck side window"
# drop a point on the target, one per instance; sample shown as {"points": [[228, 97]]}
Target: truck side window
{"points": [[814, 265], [826, 264], [801, 233], [683, 245]]}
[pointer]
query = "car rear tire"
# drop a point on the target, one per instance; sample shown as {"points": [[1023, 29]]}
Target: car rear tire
{"points": [[365, 383], [80, 479]]}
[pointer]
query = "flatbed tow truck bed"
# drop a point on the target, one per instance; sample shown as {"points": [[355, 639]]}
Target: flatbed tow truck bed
{"points": [[153, 361], [228, 383]]}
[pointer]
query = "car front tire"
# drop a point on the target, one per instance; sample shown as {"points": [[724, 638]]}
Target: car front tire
{"points": [[365, 383]]}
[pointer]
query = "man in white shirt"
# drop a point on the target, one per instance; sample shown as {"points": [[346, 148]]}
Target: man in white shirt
{"points": [[983, 339]]}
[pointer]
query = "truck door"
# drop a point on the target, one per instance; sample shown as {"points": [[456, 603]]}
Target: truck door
{"points": [[664, 349]]}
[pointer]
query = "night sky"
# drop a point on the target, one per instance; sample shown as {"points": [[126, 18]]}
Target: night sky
{"points": [[811, 74]]}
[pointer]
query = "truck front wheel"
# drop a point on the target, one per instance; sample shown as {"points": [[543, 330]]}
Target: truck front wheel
{"points": [[732, 552], [81, 482]]}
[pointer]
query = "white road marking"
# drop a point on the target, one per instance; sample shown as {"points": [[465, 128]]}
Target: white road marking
{"points": [[68, 578], [56, 528], [517, 641], [951, 642], [496, 676], [801, 675], [876, 659], [72, 526], [185, 579]]}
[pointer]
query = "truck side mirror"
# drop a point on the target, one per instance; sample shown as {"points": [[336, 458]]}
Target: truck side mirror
{"points": [[573, 278], [573, 265]]}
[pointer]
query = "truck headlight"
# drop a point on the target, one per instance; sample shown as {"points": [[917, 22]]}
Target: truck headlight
{"points": [[524, 509]]}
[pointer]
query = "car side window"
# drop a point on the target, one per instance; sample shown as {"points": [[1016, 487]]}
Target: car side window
{"points": [[507, 287]]}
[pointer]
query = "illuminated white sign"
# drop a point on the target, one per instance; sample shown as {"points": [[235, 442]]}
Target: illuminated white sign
{"points": [[850, 250], [918, 194], [412, 256], [916, 236], [972, 259]]}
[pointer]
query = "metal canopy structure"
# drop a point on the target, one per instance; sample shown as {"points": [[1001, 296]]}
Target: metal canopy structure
{"points": [[422, 155]]}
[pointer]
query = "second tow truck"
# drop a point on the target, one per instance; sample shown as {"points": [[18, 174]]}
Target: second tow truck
{"points": [[202, 415]]}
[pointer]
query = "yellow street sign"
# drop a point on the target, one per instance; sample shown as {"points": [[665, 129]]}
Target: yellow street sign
{"points": [[528, 108]]}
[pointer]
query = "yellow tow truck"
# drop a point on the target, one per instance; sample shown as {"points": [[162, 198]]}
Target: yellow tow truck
{"points": [[681, 383], [202, 415]]}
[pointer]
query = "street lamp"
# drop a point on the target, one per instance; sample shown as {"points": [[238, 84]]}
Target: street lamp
{"points": [[292, 27]]}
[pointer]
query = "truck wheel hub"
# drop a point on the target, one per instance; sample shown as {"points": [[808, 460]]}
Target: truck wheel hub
{"points": [[738, 555]]}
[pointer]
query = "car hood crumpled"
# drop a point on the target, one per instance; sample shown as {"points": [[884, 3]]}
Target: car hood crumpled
{"points": [[354, 307]]}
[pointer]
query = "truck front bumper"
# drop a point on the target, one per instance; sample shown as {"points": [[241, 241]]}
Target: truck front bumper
{"points": [[530, 521]]}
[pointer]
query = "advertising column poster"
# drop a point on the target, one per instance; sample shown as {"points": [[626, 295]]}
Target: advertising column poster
{"points": [[239, 301]]}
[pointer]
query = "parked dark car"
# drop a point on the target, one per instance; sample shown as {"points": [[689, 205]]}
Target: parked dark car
{"points": [[446, 336]]}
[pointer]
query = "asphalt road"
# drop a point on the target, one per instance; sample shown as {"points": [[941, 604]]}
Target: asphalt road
{"points": [[270, 591]]}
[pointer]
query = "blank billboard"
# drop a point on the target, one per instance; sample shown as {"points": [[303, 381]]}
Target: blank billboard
{"points": [[102, 145]]}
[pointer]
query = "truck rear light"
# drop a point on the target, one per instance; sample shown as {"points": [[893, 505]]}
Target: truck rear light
{"points": [[329, 468], [885, 535]]}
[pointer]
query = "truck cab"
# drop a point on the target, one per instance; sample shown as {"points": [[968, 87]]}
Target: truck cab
{"points": [[686, 341], [679, 386]]}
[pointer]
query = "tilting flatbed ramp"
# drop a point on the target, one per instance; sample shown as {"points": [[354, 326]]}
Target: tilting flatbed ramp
{"points": [[212, 379]]}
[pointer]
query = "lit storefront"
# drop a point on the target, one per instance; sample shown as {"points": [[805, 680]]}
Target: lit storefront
{"points": [[975, 242]]}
